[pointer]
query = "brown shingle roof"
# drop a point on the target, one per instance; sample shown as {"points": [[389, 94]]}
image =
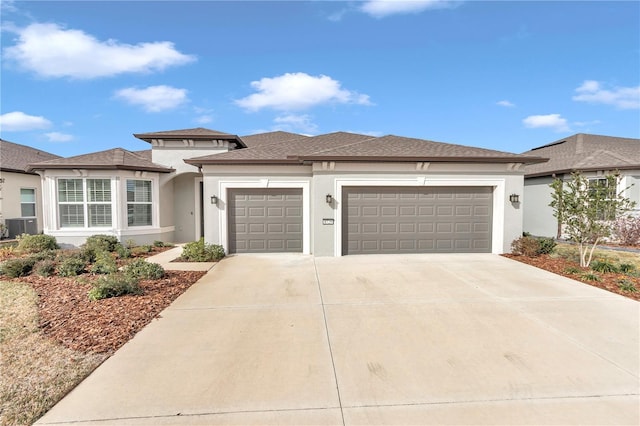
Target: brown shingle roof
{"points": [[586, 152], [269, 138], [343, 146], [198, 133], [16, 158], [111, 159], [283, 152], [398, 148]]}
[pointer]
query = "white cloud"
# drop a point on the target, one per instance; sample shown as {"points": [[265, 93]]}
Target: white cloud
{"points": [[298, 91], [154, 98], [203, 119], [552, 121], [384, 8], [18, 121], [204, 115], [591, 91], [586, 123], [295, 123], [52, 51], [58, 137], [337, 16], [506, 104]]}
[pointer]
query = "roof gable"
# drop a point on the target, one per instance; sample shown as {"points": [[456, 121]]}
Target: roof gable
{"points": [[197, 133], [111, 159], [16, 158]]}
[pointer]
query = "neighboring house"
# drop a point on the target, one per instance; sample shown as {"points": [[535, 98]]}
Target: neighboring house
{"points": [[20, 189], [593, 155], [328, 195]]}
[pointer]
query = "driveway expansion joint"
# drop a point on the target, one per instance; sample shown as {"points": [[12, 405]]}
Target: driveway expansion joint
{"points": [[326, 328]]}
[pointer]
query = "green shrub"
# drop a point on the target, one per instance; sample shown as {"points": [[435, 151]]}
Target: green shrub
{"points": [[70, 264], [590, 276], [525, 246], [141, 250], [36, 243], [104, 263], [198, 251], [627, 285], [130, 243], [114, 285], [45, 267], [44, 255], [101, 242], [572, 270], [603, 266], [627, 268], [122, 251], [532, 246], [546, 245], [18, 267], [141, 269]]}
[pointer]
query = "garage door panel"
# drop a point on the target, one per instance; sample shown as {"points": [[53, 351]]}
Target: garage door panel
{"points": [[389, 211], [416, 219], [293, 228], [389, 228], [407, 228], [463, 211], [265, 220], [426, 245]]}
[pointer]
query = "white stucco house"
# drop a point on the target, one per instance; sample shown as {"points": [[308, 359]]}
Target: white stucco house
{"points": [[328, 195], [20, 189], [592, 155]]}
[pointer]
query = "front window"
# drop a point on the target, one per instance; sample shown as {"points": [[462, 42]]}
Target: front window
{"points": [[601, 190], [84, 203], [27, 202], [139, 203]]}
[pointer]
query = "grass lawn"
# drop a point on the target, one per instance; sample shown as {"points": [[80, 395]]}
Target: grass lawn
{"points": [[36, 372], [570, 251]]}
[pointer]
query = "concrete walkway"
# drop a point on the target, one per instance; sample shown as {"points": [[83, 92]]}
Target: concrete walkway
{"points": [[165, 259], [415, 339]]}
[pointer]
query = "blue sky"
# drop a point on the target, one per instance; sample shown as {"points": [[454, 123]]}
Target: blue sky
{"points": [[79, 77]]}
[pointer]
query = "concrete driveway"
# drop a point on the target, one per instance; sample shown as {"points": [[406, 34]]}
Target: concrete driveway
{"points": [[378, 339]]}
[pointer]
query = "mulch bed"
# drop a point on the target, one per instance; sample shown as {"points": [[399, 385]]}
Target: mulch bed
{"points": [[69, 317], [559, 265]]}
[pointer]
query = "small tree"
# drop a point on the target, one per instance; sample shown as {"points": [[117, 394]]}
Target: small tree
{"points": [[586, 209]]}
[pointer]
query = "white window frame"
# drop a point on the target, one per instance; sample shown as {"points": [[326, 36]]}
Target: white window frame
{"points": [[153, 196], [35, 202], [85, 203]]}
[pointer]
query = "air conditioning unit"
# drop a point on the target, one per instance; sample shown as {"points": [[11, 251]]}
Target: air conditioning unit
{"points": [[21, 226]]}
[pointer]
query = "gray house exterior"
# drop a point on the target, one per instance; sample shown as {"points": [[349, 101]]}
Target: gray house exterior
{"points": [[328, 195], [594, 156], [20, 189]]}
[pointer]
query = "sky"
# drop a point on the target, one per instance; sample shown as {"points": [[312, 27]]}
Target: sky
{"points": [[83, 76]]}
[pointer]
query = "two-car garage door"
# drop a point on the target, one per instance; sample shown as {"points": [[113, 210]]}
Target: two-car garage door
{"points": [[416, 220], [374, 220]]}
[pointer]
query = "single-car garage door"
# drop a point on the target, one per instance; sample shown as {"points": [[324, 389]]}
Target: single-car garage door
{"points": [[265, 220], [416, 220]]}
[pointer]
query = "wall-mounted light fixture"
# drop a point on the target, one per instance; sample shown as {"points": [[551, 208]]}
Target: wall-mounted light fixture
{"points": [[514, 198], [328, 199], [214, 199]]}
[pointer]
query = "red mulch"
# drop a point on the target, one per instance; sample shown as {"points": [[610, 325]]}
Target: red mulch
{"points": [[68, 316], [559, 265]]}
